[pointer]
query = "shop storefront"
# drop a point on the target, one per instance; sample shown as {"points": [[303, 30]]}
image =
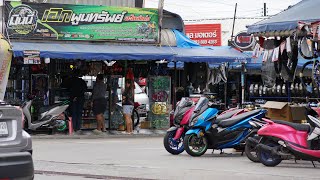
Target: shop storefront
{"points": [[286, 54], [52, 40]]}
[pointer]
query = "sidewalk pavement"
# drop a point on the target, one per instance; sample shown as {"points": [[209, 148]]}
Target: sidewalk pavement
{"points": [[88, 134]]}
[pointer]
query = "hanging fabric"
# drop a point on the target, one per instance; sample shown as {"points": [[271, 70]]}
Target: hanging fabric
{"points": [[265, 56], [282, 47], [268, 73], [223, 72], [288, 45], [275, 55], [256, 51]]}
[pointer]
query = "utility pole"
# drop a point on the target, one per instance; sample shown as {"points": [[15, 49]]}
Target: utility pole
{"points": [[160, 11], [264, 9], [234, 20]]}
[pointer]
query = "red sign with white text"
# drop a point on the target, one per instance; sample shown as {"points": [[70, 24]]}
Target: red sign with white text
{"points": [[204, 34]]}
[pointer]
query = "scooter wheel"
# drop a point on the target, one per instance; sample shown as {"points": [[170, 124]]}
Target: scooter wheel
{"points": [[170, 145], [267, 158], [251, 151], [194, 145]]}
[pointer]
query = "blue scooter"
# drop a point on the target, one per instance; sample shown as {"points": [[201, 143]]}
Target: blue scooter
{"points": [[207, 133]]}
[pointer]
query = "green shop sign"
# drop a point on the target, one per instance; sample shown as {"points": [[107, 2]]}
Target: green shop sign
{"points": [[81, 22]]}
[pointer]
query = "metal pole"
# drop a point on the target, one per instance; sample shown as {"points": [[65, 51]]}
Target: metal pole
{"points": [[226, 89], [174, 85], [234, 20], [242, 83], [289, 92], [264, 9], [160, 12]]}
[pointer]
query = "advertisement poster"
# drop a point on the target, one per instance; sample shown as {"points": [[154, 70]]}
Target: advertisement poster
{"points": [[5, 63], [159, 91], [81, 22], [204, 34], [31, 57]]}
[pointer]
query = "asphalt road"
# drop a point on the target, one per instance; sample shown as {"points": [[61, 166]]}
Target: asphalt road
{"points": [[145, 158]]}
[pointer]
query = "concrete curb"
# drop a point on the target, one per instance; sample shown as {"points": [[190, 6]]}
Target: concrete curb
{"points": [[94, 136], [108, 135]]}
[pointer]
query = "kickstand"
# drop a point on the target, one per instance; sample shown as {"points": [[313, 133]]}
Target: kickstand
{"points": [[313, 164], [221, 151], [295, 160], [212, 151], [242, 152]]}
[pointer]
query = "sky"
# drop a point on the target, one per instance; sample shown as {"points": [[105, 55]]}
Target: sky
{"points": [[206, 9]]}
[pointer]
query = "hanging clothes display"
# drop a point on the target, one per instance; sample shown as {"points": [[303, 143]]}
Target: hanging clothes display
{"points": [[268, 73]]}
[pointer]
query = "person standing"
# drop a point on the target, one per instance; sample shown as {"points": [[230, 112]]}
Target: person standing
{"points": [[99, 103], [77, 89], [128, 105]]}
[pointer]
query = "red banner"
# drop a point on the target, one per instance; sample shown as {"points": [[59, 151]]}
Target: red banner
{"points": [[204, 34]]}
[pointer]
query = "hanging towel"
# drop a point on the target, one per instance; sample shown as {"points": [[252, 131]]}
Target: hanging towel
{"points": [[275, 56], [282, 47], [288, 44], [265, 56], [256, 51]]}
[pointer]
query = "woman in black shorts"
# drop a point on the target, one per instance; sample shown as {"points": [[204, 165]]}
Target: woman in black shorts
{"points": [[99, 103]]}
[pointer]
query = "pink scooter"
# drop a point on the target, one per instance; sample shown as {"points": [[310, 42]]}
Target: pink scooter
{"points": [[173, 140], [282, 140]]}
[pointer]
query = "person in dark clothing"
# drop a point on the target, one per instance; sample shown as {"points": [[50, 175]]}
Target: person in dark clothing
{"points": [[99, 103], [77, 89]]}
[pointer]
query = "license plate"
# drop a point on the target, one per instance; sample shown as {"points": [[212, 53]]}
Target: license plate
{"points": [[3, 129]]}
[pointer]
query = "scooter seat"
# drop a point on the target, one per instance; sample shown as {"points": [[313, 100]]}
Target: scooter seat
{"points": [[234, 120], [299, 127], [227, 115], [47, 108]]}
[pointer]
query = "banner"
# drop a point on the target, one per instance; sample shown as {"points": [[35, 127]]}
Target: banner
{"points": [[31, 57], [204, 34], [5, 63], [81, 22]]}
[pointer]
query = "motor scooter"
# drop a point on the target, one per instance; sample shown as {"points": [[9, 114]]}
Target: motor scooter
{"points": [[53, 116], [282, 140], [205, 133], [173, 140]]}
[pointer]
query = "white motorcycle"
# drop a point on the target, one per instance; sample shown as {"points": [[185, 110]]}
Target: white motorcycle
{"points": [[52, 117]]}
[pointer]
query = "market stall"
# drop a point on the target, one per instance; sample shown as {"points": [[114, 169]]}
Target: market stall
{"points": [[287, 52], [49, 50]]}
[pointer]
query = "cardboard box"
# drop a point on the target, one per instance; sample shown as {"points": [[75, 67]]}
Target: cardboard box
{"points": [[278, 110], [145, 125], [298, 113]]}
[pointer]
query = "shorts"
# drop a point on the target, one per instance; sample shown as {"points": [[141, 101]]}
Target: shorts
{"points": [[99, 106], [127, 109]]}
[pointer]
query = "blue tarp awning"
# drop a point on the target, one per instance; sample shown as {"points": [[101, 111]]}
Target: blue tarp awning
{"points": [[93, 51], [305, 10], [183, 41], [126, 52], [213, 54]]}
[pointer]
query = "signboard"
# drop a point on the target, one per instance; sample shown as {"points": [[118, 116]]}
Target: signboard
{"points": [[159, 96], [31, 57], [5, 64], [204, 34], [243, 40], [81, 22]]}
